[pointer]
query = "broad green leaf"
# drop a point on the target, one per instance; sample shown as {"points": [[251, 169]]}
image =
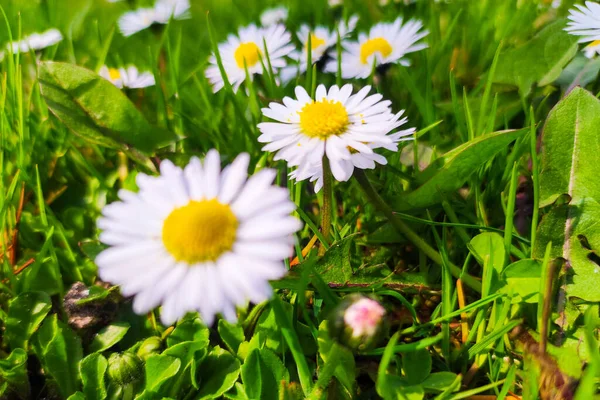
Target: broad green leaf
{"points": [[108, 336], [449, 172], [489, 244], [440, 381], [13, 372], [96, 110], [190, 330], [523, 280], [92, 369], [218, 372], [570, 146], [540, 60], [25, 313], [416, 366], [158, 369], [190, 354], [59, 350], [345, 366], [261, 374], [270, 330], [231, 334], [77, 396]]}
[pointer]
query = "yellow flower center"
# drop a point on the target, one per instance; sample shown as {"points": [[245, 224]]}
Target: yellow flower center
{"points": [[199, 231], [376, 45], [593, 44], [248, 52], [114, 74], [323, 118], [315, 41]]}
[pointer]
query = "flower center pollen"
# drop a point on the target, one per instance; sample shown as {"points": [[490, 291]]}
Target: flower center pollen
{"points": [[372, 46], [315, 41], [323, 118], [248, 52], [114, 74], [199, 231]]}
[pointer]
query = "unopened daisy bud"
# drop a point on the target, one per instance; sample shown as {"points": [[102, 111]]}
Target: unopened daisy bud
{"points": [[152, 345], [345, 128], [358, 322], [125, 368]]}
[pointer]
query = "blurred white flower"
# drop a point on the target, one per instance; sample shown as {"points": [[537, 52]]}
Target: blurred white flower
{"points": [[335, 3], [35, 41], [386, 43], [321, 40], [247, 49], [272, 16], [585, 21], [198, 238], [128, 77], [135, 21], [344, 127]]}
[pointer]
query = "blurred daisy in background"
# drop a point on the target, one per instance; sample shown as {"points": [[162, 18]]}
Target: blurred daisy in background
{"points": [[35, 41], [385, 43], [198, 238], [322, 39], [128, 77], [272, 16], [584, 21], [164, 10], [336, 124], [246, 51]]}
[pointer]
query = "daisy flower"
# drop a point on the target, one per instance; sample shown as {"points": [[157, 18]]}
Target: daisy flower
{"points": [[272, 16], [384, 44], [247, 49], [128, 77], [336, 124], [135, 21], [585, 22], [36, 41], [321, 40], [198, 238]]}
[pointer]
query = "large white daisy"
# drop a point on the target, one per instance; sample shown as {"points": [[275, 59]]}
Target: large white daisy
{"points": [[198, 238], [384, 44], [247, 49], [584, 21], [322, 39], [35, 41], [128, 77], [336, 124], [163, 11]]}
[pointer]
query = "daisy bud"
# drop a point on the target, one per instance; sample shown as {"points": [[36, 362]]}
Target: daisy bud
{"points": [[124, 368], [152, 345], [358, 322]]}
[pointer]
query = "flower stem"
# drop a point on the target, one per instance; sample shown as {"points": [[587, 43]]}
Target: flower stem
{"points": [[411, 235], [326, 210]]}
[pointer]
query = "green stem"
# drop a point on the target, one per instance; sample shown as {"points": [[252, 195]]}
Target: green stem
{"points": [[326, 210], [412, 236]]}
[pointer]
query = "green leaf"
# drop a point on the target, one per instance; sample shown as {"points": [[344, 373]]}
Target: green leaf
{"points": [[540, 60], [344, 364], [59, 350], [449, 172], [261, 374], [219, 371], [77, 396], [109, 336], [440, 381], [96, 110], [231, 334], [92, 369], [25, 313], [158, 369], [190, 330], [523, 280], [570, 146], [489, 244], [13, 371], [416, 365]]}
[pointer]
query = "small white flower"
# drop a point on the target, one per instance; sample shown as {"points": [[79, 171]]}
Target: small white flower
{"points": [[128, 77], [198, 239], [386, 43], [272, 16], [135, 21], [592, 49], [321, 40], [335, 3], [363, 317], [585, 21], [247, 49], [36, 41], [336, 124]]}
